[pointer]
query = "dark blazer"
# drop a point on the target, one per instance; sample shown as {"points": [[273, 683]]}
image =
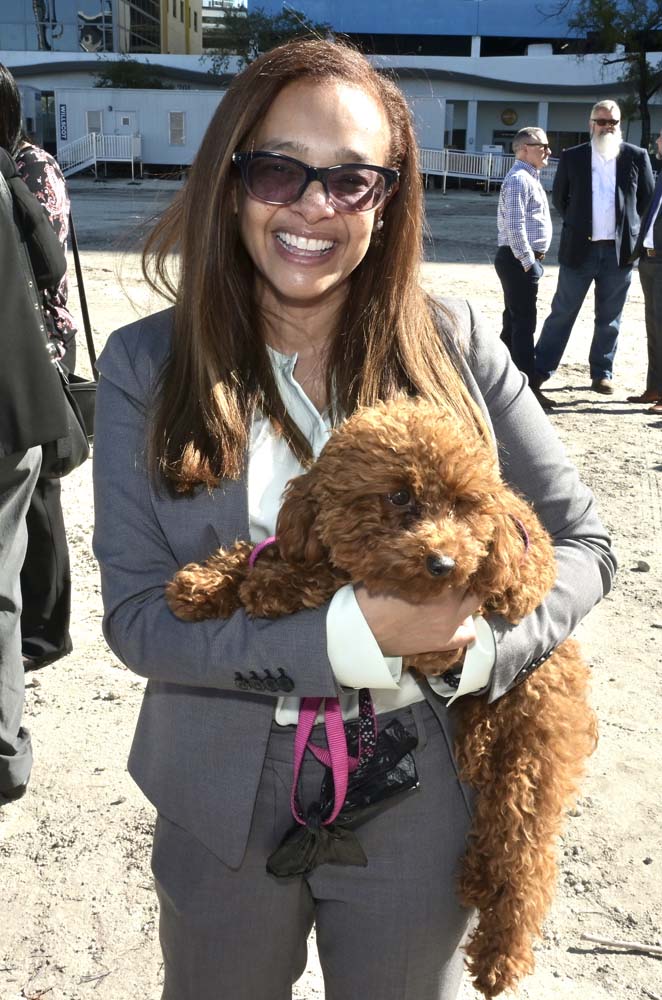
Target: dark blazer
{"points": [[657, 229], [32, 407], [200, 742], [572, 196]]}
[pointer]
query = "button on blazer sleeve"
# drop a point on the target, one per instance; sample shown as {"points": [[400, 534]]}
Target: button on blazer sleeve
{"points": [[535, 463], [137, 555]]}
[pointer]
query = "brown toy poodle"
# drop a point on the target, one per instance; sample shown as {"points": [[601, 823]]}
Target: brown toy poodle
{"points": [[404, 500]]}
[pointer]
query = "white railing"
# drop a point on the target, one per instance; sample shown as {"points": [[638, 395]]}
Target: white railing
{"points": [[487, 167], [88, 150], [78, 154]]}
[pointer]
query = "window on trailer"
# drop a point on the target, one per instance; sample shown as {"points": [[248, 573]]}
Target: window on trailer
{"points": [[176, 128], [93, 121]]}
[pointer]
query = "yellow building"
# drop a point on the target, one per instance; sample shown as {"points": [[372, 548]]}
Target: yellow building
{"points": [[181, 26]]}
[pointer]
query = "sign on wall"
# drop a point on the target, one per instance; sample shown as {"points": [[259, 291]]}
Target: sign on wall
{"points": [[62, 122]]}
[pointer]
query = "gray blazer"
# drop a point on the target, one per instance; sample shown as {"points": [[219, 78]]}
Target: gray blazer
{"points": [[199, 745]]}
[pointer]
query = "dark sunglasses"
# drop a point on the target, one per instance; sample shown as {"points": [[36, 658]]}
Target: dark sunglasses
{"points": [[277, 179], [542, 145], [605, 121]]}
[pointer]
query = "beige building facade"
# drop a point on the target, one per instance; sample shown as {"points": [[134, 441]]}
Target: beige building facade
{"points": [[181, 26]]}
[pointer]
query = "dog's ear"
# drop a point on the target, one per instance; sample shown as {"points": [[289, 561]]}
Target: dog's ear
{"points": [[297, 536], [520, 568]]}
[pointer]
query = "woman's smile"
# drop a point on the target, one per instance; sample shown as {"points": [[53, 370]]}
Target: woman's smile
{"points": [[301, 247]]}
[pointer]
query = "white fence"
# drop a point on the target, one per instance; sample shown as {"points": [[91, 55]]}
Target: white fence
{"points": [[96, 146], [486, 167], [489, 168]]}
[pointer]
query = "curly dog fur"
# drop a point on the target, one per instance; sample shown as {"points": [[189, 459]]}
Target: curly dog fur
{"points": [[404, 500]]}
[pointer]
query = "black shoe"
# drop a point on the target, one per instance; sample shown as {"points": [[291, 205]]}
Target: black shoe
{"points": [[603, 386], [13, 794], [546, 403]]}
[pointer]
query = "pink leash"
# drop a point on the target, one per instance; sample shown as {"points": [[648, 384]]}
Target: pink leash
{"points": [[336, 757]]}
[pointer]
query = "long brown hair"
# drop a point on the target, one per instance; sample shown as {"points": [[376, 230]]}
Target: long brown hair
{"points": [[388, 340], [11, 130]]}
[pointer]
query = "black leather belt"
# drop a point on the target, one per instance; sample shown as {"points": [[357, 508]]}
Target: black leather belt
{"points": [[606, 243], [649, 252], [539, 255]]}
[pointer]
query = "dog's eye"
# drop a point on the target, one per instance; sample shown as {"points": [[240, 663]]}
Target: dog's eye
{"points": [[401, 498]]}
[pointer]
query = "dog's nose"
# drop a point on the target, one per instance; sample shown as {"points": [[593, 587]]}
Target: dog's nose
{"points": [[440, 565]]}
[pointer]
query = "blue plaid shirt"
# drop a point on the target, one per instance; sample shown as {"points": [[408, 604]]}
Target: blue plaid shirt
{"points": [[523, 220]]}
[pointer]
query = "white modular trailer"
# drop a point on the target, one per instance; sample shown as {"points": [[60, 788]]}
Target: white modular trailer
{"points": [[170, 123]]}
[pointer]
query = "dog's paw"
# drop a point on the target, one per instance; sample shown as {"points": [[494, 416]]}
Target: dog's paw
{"points": [[193, 597], [503, 975]]}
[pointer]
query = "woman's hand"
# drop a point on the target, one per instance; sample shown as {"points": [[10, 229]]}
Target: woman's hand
{"points": [[404, 629]]}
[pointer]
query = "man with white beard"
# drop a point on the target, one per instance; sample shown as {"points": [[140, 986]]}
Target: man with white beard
{"points": [[601, 189]]}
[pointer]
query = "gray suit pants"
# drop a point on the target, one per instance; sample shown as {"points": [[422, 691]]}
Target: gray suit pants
{"points": [[18, 475], [389, 931]]}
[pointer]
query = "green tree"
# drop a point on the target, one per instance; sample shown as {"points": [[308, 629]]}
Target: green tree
{"points": [[127, 72], [247, 34], [626, 31]]}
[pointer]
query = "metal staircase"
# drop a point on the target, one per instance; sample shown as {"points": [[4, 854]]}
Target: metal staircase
{"points": [[96, 147]]}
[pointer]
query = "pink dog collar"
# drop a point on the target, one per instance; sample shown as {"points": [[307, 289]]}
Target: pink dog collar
{"points": [[259, 548], [523, 532]]}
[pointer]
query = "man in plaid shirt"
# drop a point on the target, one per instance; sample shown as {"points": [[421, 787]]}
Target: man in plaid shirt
{"points": [[524, 234]]}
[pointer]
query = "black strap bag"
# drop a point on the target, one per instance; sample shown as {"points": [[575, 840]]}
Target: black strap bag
{"points": [[82, 389], [61, 457]]}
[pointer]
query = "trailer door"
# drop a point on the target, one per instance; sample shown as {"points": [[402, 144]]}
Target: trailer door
{"points": [[125, 123]]}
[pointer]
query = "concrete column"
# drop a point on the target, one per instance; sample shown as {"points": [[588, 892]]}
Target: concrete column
{"points": [[472, 121], [117, 40], [543, 114], [475, 47]]}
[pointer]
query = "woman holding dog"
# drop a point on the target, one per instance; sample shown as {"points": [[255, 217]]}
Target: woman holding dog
{"points": [[297, 300]]}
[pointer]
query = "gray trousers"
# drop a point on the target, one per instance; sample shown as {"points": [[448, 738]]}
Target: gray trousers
{"points": [[650, 274], [18, 475], [389, 931]]}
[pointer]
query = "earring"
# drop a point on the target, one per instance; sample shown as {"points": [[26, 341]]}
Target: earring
{"points": [[379, 224]]}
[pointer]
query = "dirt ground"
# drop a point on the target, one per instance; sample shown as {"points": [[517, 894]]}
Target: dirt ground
{"points": [[78, 912]]}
